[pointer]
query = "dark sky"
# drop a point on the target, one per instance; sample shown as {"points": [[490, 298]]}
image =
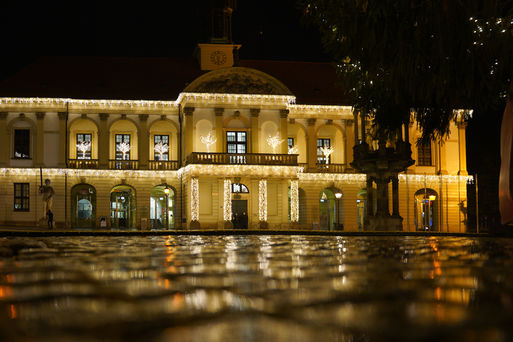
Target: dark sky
{"points": [[267, 29]]}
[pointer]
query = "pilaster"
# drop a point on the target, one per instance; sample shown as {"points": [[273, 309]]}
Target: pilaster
{"points": [[462, 148], [284, 113], [349, 142], [219, 129], [4, 140], [103, 142], [62, 138], [312, 144], [255, 131], [40, 139], [144, 149], [189, 130]]}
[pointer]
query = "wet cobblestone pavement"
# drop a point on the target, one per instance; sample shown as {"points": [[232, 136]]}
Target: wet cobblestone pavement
{"points": [[256, 288]]}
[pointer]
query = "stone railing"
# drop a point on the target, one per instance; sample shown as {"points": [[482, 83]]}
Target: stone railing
{"points": [[242, 158], [163, 165], [331, 168], [83, 163], [124, 164]]}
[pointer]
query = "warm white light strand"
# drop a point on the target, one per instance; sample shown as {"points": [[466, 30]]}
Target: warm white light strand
{"points": [[208, 140], [194, 199], [294, 200], [235, 98], [262, 200], [227, 206], [241, 170], [293, 150]]}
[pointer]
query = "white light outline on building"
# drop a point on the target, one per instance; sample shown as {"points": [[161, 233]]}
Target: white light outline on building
{"points": [[227, 200], [194, 199], [262, 200], [294, 200]]}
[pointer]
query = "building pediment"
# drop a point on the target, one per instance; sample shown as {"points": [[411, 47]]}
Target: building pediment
{"points": [[238, 80]]}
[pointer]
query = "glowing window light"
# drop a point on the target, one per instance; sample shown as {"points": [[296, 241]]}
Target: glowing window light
{"points": [[262, 200], [123, 147], [227, 213], [274, 141], [84, 146], [194, 199], [294, 200], [160, 148], [327, 151], [208, 140]]}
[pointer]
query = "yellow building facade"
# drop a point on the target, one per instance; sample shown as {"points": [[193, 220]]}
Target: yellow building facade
{"points": [[234, 149]]}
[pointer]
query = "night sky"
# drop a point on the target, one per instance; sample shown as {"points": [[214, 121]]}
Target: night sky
{"points": [[267, 29]]}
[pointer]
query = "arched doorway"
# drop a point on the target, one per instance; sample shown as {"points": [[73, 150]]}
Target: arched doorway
{"points": [[162, 215], [240, 195], [361, 208], [330, 217], [426, 209], [122, 207], [83, 206]]}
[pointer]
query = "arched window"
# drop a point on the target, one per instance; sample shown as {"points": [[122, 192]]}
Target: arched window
{"points": [[83, 206]]}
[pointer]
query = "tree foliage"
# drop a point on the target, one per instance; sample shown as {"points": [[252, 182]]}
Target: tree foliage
{"points": [[431, 56]]}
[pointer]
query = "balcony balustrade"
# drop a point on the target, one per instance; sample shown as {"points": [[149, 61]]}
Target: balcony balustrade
{"points": [[83, 163], [330, 168], [163, 165], [242, 158], [123, 164]]}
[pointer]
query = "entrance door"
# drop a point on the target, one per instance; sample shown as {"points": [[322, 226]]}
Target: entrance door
{"points": [[240, 214], [122, 210], [83, 206]]}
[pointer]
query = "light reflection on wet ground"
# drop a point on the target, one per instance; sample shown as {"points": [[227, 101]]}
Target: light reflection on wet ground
{"points": [[256, 288]]}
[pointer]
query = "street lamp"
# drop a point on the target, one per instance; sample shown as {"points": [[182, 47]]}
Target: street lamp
{"points": [[338, 196], [166, 192]]}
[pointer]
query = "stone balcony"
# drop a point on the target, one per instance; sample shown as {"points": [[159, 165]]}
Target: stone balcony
{"points": [[242, 158]]}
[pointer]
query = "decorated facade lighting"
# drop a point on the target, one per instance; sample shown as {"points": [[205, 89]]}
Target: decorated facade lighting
{"points": [[161, 148], [262, 200], [293, 150], [83, 147], [294, 200], [208, 140], [124, 148], [194, 199], [327, 151], [227, 212], [274, 141]]}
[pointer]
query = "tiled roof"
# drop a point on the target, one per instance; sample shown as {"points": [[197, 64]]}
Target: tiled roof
{"points": [[156, 78]]}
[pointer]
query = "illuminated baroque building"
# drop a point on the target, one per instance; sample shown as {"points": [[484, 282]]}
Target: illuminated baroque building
{"points": [[271, 139]]}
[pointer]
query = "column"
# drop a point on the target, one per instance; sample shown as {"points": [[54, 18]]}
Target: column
{"points": [[227, 200], [40, 139], [395, 195], [382, 200], [103, 142], [62, 139], [349, 142], [462, 148], [262, 200], [4, 140], [194, 203], [219, 130], [284, 113], [312, 145], [442, 160], [255, 131], [189, 130], [294, 200], [144, 140]]}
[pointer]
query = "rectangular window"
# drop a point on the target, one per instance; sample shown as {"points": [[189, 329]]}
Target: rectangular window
{"points": [[424, 155], [21, 197], [321, 159], [236, 142], [120, 139], [164, 139], [83, 146], [22, 143]]}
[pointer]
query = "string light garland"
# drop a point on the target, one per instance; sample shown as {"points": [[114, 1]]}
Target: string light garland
{"points": [[294, 200], [208, 140], [235, 98], [161, 148], [274, 141], [227, 206], [241, 170], [194, 199], [293, 150], [262, 200]]}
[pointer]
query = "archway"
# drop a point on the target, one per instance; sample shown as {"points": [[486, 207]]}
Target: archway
{"points": [[426, 209], [361, 208], [162, 216], [330, 217], [83, 206], [122, 207]]}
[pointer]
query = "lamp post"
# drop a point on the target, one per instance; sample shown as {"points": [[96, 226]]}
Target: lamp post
{"points": [[166, 192], [338, 196], [431, 199]]}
